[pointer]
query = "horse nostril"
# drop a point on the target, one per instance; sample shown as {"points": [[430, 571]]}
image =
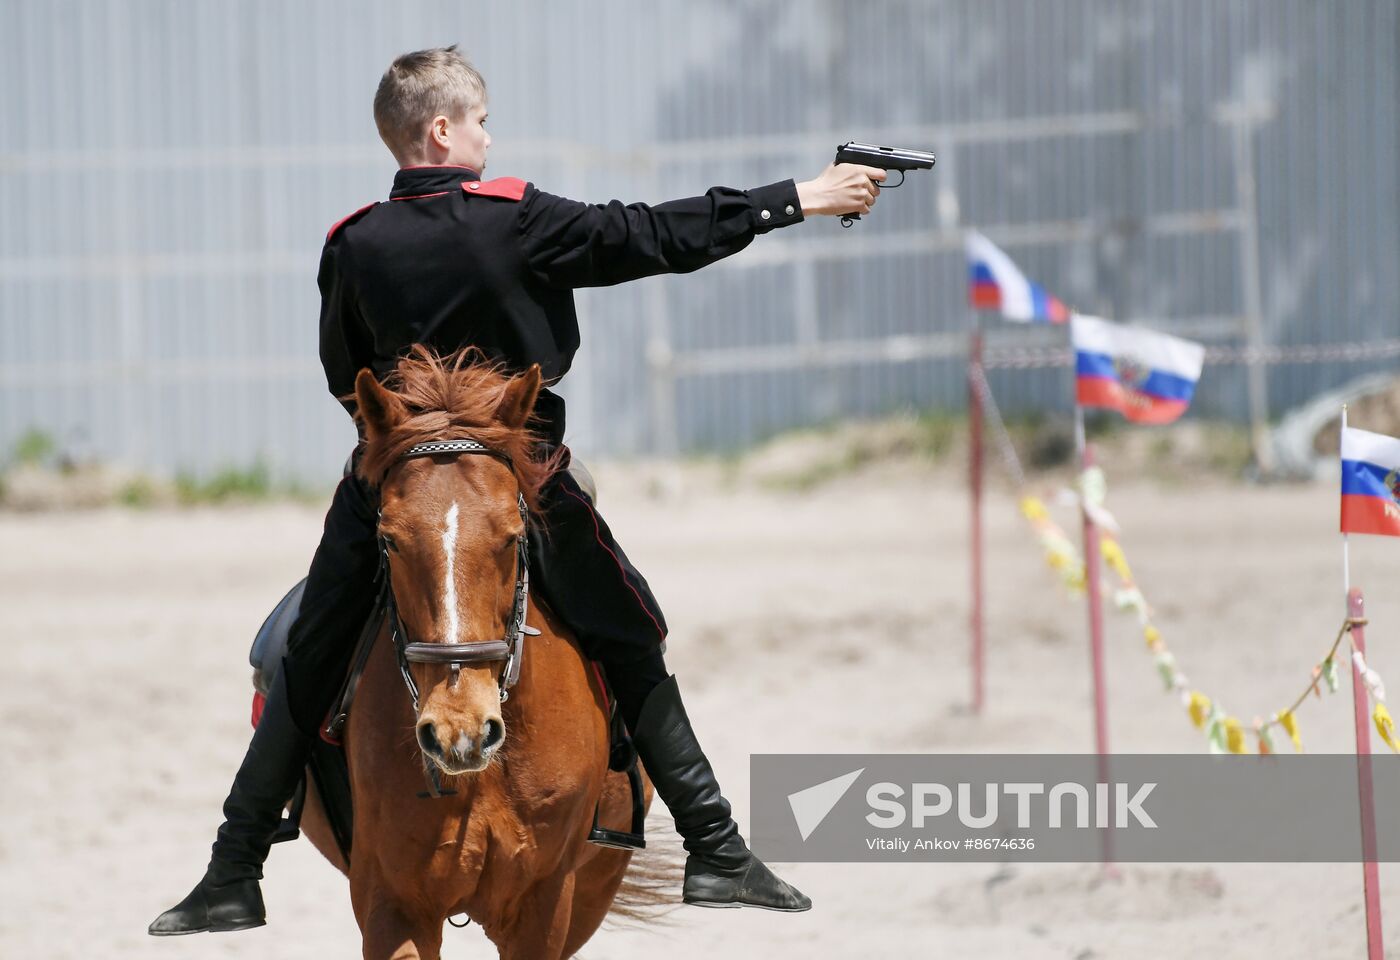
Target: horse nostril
{"points": [[428, 740], [493, 732]]}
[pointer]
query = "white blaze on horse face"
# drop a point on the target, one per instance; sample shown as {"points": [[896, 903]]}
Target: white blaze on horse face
{"points": [[449, 592]]}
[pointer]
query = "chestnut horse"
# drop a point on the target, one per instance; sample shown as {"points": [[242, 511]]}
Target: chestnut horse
{"points": [[528, 764]]}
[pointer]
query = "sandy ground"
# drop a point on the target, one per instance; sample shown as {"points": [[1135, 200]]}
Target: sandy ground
{"points": [[826, 621]]}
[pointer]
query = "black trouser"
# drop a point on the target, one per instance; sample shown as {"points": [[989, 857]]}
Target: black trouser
{"points": [[575, 566]]}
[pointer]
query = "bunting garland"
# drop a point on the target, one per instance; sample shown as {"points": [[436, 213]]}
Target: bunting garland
{"points": [[1385, 726], [1224, 732], [1060, 551]]}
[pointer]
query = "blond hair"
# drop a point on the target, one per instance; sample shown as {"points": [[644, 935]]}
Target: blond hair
{"points": [[416, 88]]}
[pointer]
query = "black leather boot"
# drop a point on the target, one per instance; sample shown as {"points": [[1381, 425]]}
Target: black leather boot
{"points": [[228, 897], [720, 871]]}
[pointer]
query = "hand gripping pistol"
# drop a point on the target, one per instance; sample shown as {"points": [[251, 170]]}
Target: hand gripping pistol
{"points": [[886, 158]]}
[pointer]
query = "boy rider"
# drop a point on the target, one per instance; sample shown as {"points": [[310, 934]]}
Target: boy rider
{"points": [[452, 260]]}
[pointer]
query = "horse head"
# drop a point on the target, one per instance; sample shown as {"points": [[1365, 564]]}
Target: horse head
{"points": [[453, 531]]}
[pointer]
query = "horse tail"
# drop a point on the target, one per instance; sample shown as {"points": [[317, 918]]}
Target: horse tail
{"points": [[649, 887]]}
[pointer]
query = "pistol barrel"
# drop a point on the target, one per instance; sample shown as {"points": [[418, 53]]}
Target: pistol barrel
{"points": [[887, 158]]}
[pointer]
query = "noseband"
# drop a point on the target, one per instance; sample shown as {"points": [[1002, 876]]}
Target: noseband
{"points": [[452, 653]]}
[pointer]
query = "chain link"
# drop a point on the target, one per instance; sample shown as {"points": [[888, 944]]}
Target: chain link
{"points": [[1027, 358], [1000, 435]]}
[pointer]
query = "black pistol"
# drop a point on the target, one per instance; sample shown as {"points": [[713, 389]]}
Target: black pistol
{"points": [[886, 158]]}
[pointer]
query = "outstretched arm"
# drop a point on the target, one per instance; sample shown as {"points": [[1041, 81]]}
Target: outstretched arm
{"points": [[572, 244]]}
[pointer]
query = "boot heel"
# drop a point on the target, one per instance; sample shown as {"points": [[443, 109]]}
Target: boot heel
{"points": [[231, 926]]}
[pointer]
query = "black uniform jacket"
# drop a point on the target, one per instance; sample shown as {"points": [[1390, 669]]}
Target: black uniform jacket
{"points": [[450, 260]]}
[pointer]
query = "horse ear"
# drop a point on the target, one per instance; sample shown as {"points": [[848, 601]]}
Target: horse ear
{"points": [[379, 409], [518, 398]]}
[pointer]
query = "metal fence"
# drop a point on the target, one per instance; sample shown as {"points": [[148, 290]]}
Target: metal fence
{"points": [[167, 172]]}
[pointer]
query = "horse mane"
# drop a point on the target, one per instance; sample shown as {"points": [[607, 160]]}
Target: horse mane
{"points": [[449, 398]]}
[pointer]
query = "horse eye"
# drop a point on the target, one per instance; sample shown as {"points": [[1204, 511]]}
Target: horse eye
{"points": [[390, 544]]}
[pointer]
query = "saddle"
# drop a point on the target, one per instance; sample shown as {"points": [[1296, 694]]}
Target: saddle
{"points": [[328, 767]]}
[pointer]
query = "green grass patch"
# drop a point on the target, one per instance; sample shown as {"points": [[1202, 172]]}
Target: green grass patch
{"points": [[229, 484], [138, 493], [34, 447]]}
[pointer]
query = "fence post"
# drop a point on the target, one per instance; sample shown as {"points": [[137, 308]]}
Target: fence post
{"points": [[1256, 371]]}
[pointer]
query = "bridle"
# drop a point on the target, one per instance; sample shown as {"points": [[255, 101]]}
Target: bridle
{"points": [[452, 653]]}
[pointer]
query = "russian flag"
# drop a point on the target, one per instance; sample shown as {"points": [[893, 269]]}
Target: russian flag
{"points": [[996, 283], [1147, 376], [1370, 483]]}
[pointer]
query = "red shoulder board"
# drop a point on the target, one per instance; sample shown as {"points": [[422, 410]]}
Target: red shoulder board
{"points": [[342, 222], [504, 188]]}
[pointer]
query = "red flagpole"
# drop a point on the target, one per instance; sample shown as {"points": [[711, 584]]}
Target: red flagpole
{"points": [[1093, 584], [1370, 869]]}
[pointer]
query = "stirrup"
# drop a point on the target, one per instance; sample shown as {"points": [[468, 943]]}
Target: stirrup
{"points": [[622, 839]]}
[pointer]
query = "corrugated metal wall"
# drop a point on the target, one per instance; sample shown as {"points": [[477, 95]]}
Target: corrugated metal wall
{"points": [[168, 170]]}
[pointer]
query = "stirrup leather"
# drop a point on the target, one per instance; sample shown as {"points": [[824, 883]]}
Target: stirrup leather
{"points": [[289, 827], [622, 757]]}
